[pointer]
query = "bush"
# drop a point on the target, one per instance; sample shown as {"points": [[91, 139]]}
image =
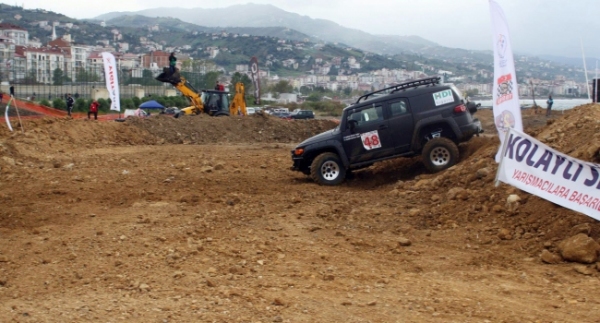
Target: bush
{"points": [[136, 101], [127, 104], [45, 102], [80, 105], [104, 105], [59, 104]]}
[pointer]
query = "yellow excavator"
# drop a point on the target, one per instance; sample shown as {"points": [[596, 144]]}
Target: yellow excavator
{"points": [[212, 102], [238, 104]]}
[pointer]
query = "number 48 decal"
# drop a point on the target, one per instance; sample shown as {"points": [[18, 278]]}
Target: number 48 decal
{"points": [[370, 140]]}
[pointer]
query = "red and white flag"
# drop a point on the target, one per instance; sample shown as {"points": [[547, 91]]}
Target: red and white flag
{"points": [[112, 82], [507, 110]]}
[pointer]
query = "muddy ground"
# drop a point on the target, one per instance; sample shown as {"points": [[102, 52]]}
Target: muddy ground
{"points": [[201, 220]]}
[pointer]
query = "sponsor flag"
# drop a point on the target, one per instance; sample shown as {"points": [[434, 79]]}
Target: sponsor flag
{"points": [[6, 116], [531, 166], [255, 79], [112, 82], [507, 110]]}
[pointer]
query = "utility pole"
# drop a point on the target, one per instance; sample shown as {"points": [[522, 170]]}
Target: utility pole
{"points": [[535, 106]]}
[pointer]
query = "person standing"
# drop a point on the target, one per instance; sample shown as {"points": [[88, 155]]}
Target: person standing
{"points": [[172, 62], [94, 110], [70, 103], [12, 90], [550, 102]]}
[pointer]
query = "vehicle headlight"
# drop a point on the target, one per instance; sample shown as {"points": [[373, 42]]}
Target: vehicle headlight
{"points": [[298, 151]]}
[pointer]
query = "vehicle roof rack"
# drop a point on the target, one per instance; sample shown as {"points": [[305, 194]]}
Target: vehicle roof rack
{"points": [[402, 86]]}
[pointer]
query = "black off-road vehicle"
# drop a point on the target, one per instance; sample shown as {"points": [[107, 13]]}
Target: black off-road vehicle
{"points": [[416, 117]]}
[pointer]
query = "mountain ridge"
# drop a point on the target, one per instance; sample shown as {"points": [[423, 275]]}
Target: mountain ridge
{"points": [[259, 15]]}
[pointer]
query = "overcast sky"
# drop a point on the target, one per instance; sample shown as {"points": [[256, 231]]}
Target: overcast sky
{"points": [[552, 27]]}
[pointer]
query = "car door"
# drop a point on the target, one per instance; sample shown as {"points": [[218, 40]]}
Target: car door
{"points": [[370, 137], [401, 124]]}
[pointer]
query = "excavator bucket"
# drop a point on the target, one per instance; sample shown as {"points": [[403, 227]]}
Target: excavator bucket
{"points": [[168, 77]]}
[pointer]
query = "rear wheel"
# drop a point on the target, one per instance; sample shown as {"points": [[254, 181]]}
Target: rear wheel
{"points": [[327, 169], [439, 154]]}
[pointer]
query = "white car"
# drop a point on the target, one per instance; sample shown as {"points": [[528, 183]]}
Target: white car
{"points": [[250, 110]]}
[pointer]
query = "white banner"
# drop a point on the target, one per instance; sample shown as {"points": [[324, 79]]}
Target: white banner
{"points": [[6, 116], [540, 170], [112, 82], [507, 110]]}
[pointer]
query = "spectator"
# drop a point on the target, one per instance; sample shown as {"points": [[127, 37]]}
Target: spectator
{"points": [[12, 90], [217, 86], [76, 95], [33, 97], [172, 62], [1, 96], [94, 110], [550, 102], [70, 103]]}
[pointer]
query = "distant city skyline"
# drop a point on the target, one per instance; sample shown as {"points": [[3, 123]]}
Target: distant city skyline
{"points": [[538, 27]]}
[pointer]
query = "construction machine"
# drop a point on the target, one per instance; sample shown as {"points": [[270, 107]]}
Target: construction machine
{"points": [[238, 104], [212, 102]]}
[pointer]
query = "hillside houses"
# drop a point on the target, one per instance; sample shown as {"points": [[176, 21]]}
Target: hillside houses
{"points": [[25, 58]]}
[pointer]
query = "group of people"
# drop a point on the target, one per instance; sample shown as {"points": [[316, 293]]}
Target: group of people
{"points": [[93, 109]]}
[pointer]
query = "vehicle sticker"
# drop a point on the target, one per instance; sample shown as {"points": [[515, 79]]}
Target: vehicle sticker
{"points": [[370, 140], [350, 137], [443, 97]]}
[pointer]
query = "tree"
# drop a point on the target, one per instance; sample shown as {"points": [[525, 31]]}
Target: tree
{"points": [[210, 79], [31, 77], [314, 97], [84, 76], [282, 86], [236, 78], [58, 77]]}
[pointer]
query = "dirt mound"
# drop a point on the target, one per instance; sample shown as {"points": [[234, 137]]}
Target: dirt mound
{"points": [[47, 135], [101, 221], [204, 129], [465, 195]]}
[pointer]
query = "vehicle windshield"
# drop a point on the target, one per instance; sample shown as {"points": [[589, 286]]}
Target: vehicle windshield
{"points": [[215, 101]]}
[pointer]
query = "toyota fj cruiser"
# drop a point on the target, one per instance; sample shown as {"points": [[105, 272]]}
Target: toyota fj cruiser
{"points": [[417, 117]]}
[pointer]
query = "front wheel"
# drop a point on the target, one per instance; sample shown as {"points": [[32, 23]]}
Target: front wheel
{"points": [[327, 169], [439, 154]]}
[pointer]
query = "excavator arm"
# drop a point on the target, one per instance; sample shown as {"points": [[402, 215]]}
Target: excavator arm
{"points": [[213, 103], [189, 92], [238, 104], [181, 84]]}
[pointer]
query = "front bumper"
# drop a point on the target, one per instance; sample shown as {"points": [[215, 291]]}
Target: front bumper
{"points": [[299, 164]]}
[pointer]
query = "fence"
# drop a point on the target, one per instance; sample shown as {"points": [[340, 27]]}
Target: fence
{"points": [[38, 84]]}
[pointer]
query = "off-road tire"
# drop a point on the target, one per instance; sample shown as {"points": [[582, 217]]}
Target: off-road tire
{"points": [[327, 169], [439, 154]]}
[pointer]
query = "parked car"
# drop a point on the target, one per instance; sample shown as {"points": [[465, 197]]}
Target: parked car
{"points": [[303, 114], [282, 115], [170, 111], [250, 110], [420, 117]]}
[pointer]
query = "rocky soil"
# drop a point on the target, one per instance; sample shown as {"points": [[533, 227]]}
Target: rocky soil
{"points": [[200, 220]]}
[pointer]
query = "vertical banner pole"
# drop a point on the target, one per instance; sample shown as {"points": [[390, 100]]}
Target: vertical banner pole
{"points": [[18, 116]]}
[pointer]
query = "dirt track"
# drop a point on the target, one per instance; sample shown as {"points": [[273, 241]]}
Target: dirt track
{"points": [[200, 220]]}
